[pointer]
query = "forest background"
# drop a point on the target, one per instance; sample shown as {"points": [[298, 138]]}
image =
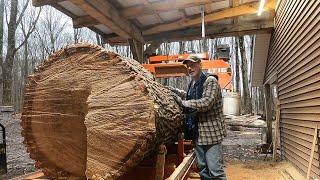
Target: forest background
{"points": [[29, 34]]}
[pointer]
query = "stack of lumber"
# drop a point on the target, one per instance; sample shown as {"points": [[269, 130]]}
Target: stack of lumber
{"points": [[90, 113]]}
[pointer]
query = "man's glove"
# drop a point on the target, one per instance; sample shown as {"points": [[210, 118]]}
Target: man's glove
{"points": [[170, 88], [177, 99]]}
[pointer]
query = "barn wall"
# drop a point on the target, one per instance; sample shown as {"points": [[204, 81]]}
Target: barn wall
{"points": [[294, 58]]}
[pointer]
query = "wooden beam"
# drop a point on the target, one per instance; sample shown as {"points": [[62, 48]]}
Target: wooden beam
{"points": [[84, 21], [312, 151], [183, 169], [250, 8], [137, 50], [235, 3], [162, 6], [161, 161], [212, 31], [106, 14], [183, 13], [38, 3], [208, 8], [276, 131], [268, 112]]}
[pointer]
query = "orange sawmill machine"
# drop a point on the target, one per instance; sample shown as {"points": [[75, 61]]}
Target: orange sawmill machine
{"points": [[164, 66]]}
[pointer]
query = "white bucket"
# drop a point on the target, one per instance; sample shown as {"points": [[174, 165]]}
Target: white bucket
{"points": [[231, 103]]}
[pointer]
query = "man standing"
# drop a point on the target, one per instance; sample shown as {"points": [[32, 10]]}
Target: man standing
{"points": [[204, 122]]}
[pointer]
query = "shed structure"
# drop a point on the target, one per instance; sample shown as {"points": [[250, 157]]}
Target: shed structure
{"points": [[293, 65], [286, 48]]}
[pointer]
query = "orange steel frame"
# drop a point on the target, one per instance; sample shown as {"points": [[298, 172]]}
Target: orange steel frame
{"points": [[171, 66]]}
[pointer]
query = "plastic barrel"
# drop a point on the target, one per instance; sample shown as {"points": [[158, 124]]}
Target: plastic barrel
{"points": [[231, 103]]}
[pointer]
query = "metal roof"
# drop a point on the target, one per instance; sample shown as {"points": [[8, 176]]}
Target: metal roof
{"points": [[118, 20]]}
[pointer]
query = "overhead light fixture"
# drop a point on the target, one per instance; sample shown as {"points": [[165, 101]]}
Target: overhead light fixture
{"points": [[261, 5]]}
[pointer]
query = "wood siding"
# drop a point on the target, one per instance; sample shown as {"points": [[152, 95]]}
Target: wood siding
{"points": [[294, 56]]}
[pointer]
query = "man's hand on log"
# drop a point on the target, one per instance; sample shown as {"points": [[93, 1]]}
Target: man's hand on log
{"points": [[170, 88], [177, 99]]}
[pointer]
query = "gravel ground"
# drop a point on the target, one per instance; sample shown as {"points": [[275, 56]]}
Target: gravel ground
{"points": [[18, 160], [242, 142]]}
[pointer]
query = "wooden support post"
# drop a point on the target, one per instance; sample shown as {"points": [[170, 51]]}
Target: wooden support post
{"points": [[180, 147], [161, 158], [276, 131], [268, 112], [137, 50], [312, 151]]}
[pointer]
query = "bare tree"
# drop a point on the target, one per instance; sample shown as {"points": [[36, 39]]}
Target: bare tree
{"points": [[1, 43], [76, 34], [237, 65], [245, 82], [50, 30], [11, 50], [28, 25]]}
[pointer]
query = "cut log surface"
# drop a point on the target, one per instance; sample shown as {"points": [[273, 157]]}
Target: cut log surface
{"points": [[92, 114]]}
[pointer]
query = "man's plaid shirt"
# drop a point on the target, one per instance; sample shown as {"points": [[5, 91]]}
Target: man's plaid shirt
{"points": [[211, 124]]}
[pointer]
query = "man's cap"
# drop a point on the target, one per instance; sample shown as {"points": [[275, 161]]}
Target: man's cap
{"points": [[194, 59]]}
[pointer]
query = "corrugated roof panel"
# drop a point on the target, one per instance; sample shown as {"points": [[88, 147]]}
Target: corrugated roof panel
{"points": [[171, 15], [148, 20], [103, 28], [129, 3], [193, 10], [220, 5], [72, 8]]}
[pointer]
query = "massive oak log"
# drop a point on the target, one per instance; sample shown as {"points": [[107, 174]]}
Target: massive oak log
{"points": [[89, 113]]}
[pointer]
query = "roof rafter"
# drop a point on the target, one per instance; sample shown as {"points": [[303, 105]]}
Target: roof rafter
{"points": [[106, 14], [62, 9], [161, 6], [250, 8], [38, 3], [84, 21], [211, 31]]}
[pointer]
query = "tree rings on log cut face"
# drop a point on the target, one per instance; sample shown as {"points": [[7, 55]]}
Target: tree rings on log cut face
{"points": [[90, 113]]}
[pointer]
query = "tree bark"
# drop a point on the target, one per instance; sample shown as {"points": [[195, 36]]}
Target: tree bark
{"points": [[237, 65], [76, 35], [268, 107], [1, 35], [89, 113], [8, 64], [25, 68], [245, 81], [1, 46]]}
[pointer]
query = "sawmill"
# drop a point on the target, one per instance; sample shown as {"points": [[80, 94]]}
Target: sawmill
{"points": [[90, 113]]}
